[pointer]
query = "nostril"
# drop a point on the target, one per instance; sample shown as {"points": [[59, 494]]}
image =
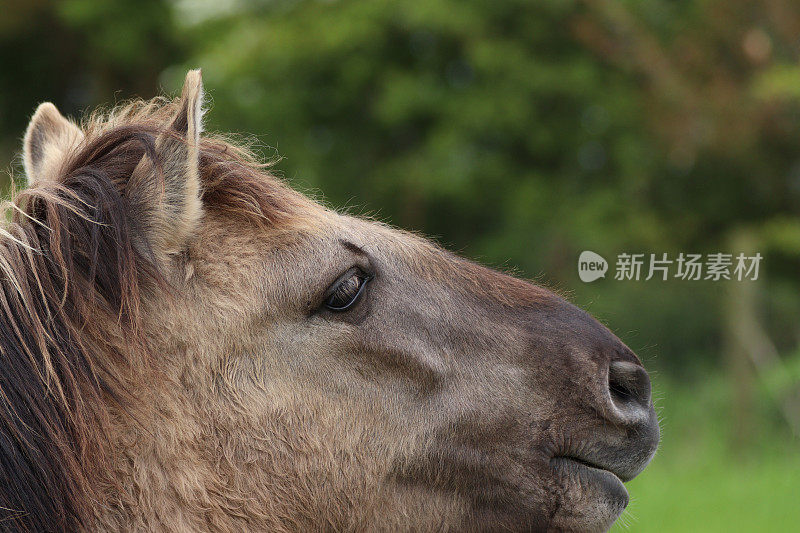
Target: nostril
{"points": [[629, 386], [620, 393]]}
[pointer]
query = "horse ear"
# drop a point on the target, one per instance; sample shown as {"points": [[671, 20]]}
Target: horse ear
{"points": [[48, 139], [166, 194]]}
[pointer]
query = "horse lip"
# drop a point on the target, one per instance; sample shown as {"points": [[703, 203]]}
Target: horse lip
{"points": [[586, 474], [624, 461], [593, 465]]}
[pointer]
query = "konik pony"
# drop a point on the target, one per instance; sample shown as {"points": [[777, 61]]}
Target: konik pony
{"points": [[187, 344]]}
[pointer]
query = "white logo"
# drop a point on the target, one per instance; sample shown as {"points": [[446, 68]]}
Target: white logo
{"points": [[591, 266]]}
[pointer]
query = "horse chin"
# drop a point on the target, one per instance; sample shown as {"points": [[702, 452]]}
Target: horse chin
{"points": [[592, 498], [589, 517]]}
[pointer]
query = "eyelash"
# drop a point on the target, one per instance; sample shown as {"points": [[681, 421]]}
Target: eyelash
{"points": [[347, 296]]}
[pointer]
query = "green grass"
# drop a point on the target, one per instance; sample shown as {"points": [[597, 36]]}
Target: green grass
{"points": [[711, 494], [701, 480]]}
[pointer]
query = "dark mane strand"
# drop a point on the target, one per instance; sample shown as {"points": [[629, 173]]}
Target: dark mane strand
{"points": [[71, 272]]}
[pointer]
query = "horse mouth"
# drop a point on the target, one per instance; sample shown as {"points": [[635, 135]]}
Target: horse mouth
{"points": [[586, 473]]}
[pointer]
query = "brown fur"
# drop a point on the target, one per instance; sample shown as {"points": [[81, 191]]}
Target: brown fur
{"points": [[168, 364]]}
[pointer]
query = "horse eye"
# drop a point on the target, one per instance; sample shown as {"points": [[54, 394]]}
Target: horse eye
{"points": [[346, 291]]}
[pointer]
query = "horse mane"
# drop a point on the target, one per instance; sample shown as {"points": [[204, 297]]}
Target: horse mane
{"points": [[72, 274]]}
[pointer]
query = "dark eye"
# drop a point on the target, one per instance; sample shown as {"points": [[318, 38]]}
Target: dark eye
{"points": [[346, 291]]}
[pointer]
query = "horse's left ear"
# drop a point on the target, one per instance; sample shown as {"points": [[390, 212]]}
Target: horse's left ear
{"points": [[166, 196], [48, 139]]}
